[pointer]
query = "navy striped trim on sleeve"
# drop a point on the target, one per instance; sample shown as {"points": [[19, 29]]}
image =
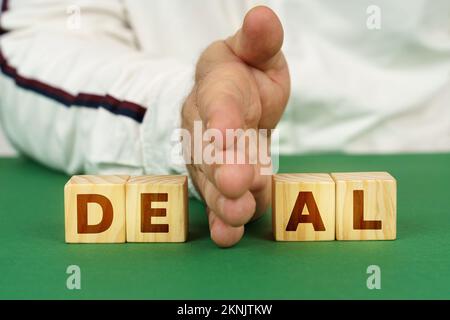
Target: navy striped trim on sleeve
{"points": [[3, 8], [4, 5], [124, 108], [113, 105]]}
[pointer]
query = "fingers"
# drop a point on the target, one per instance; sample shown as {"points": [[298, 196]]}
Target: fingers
{"points": [[230, 94], [227, 217], [274, 93], [220, 105], [227, 98], [225, 108], [232, 180], [238, 211], [222, 234], [257, 44], [234, 212], [259, 41]]}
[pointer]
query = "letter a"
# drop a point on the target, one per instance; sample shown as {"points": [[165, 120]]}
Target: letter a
{"points": [[305, 198]]}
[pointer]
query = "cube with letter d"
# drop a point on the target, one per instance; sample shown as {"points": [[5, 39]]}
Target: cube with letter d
{"points": [[95, 209], [157, 209]]}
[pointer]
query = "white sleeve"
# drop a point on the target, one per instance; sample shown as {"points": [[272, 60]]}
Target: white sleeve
{"points": [[78, 95]]}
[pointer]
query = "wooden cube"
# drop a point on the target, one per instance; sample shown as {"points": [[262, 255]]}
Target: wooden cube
{"points": [[157, 209], [303, 207], [366, 206], [95, 209]]}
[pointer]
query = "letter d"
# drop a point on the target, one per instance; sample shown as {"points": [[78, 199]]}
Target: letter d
{"points": [[82, 213]]}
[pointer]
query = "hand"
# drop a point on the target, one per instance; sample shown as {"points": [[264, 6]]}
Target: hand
{"points": [[241, 82]]}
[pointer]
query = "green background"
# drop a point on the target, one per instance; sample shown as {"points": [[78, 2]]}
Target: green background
{"points": [[34, 257]]}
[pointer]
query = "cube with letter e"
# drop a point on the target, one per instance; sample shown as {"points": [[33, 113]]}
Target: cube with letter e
{"points": [[157, 209]]}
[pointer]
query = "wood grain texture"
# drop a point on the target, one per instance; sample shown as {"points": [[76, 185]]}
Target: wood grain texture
{"points": [[157, 209], [303, 207], [91, 195], [366, 206]]}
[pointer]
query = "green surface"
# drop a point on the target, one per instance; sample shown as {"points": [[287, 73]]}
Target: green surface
{"points": [[34, 257]]}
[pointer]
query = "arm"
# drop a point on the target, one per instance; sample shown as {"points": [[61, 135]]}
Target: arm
{"points": [[87, 99]]}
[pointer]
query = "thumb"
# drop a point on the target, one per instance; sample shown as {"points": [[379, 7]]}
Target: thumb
{"points": [[258, 42]]}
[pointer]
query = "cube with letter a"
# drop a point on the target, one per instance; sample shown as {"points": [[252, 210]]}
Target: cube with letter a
{"points": [[303, 207], [157, 209], [95, 209], [366, 206]]}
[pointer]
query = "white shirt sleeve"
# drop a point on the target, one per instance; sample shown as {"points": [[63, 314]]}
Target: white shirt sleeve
{"points": [[78, 95]]}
